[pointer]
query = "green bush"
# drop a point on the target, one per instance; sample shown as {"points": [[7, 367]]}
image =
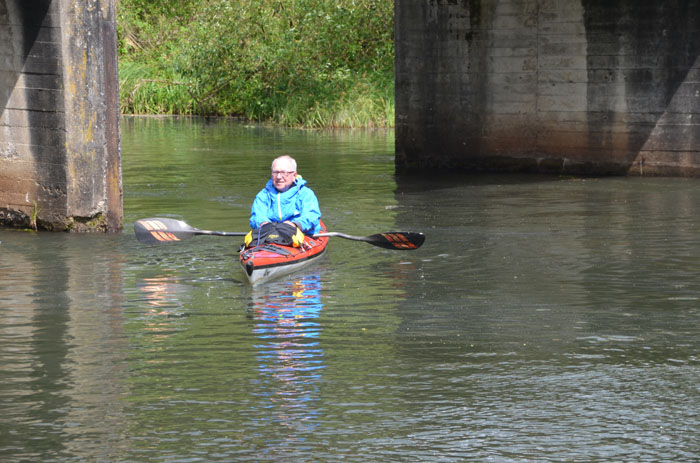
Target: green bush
{"points": [[316, 63]]}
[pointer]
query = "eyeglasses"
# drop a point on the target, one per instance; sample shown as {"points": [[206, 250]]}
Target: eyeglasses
{"points": [[283, 173]]}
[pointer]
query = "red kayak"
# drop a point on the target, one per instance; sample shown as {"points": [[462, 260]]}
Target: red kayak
{"points": [[267, 261]]}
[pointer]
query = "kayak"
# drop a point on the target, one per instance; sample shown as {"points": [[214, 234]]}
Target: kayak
{"points": [[267, 261]]}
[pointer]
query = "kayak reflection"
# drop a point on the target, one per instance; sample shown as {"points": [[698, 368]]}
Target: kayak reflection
{"points": [[289, 352]]}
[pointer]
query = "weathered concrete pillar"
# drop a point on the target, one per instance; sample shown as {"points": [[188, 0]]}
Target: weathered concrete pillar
{"points": [[60, 160], [565, 86]]}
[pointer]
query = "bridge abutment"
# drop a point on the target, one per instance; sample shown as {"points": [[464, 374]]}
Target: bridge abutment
{"points": [[568, 86], [60, 160]]}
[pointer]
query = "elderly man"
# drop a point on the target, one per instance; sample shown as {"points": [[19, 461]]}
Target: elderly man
{"points": [[286, 199]]}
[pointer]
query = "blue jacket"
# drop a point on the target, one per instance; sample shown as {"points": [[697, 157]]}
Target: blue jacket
{"points": [[298, 204]]}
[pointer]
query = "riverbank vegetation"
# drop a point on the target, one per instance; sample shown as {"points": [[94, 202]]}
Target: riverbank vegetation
{"points": [[313, 63]]}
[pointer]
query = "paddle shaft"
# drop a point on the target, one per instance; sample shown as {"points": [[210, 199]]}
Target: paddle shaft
{"points": [[219, 233]]}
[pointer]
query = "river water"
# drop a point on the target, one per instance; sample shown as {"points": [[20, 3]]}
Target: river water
{"points": [[544, 318]]}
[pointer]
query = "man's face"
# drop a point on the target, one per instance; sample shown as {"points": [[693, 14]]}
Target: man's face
{"points": [[283, 175]]}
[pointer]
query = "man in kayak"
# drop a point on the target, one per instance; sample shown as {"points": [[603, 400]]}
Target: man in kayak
{"points": [[285, 200]]}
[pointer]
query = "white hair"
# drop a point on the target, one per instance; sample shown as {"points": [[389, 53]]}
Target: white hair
{"points": [[288, 159]]}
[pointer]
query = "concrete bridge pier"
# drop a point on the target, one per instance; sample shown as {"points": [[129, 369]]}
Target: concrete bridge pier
{"points": [[595, 87], [60, 160]]}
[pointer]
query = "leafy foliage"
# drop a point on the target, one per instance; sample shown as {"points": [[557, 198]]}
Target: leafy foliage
{"points": [[295, 62]]}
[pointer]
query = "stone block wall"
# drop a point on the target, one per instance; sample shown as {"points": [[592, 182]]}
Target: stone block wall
{"points": [[559, 86]]}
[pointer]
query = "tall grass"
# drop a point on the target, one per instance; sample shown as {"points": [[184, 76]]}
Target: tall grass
{"points": [[310, 63], [363, 102], [145, 89]]}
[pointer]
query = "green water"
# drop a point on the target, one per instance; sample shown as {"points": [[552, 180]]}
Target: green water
{"points": [[544, 319]]}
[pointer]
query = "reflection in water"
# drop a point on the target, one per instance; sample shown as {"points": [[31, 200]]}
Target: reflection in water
{"points": [[158, 292], [61, 347], [289, 352], [162, 295]]}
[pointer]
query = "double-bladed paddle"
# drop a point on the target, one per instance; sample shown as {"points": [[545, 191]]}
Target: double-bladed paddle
{"points": [[159, 230]]}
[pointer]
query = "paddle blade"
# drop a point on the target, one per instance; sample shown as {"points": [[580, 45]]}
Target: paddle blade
{"points": [[160, 230], [402, 241]]}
